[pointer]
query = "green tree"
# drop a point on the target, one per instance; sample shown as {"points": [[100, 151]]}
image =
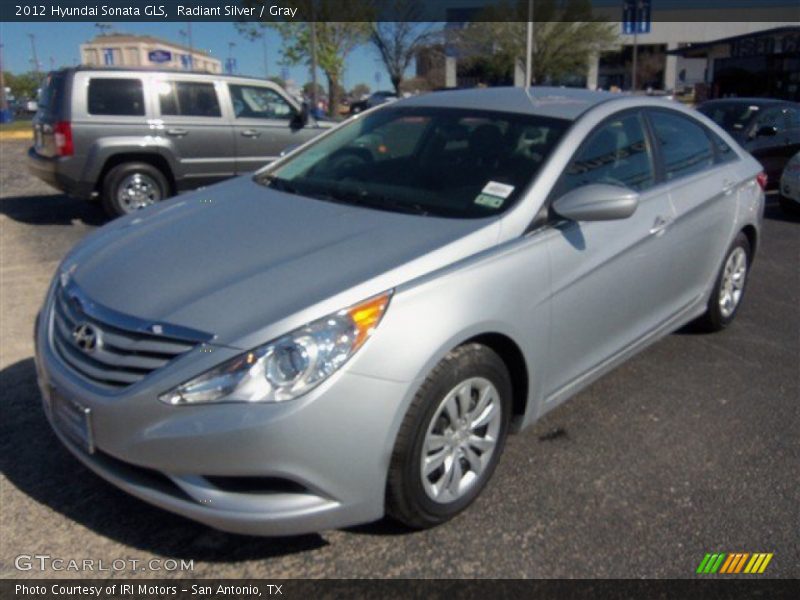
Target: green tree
{"points": [[565, 36], [23, 85], [340, 27], [398, 42]]}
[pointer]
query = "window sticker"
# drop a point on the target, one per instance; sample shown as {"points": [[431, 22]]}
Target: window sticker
{"points": [[501, 190], [489, 201]]}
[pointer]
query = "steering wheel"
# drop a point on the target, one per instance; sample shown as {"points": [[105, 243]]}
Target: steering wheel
{"points": [[346, 159]]}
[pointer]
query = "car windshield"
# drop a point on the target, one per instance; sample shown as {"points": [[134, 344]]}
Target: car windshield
{"points": [[733, 116], [433, 161]]}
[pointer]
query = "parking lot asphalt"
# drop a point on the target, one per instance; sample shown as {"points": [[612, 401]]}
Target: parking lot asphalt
{"points": [[691, 447]]}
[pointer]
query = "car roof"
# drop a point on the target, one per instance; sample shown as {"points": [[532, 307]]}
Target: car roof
{"points": [[172, 72], [555, 102]]}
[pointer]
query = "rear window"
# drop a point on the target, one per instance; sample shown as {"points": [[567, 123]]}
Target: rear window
{"points": [[120, 97], [52, 93], [188, 99]]}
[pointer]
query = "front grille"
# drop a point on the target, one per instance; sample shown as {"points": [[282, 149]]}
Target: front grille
{"points": [[122, 355]]}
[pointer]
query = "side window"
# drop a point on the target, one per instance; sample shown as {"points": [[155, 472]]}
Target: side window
{"points": [[120, 97], [724, 153], [188, 99], [254, 102], [617, 153], [772, 117], [792, 117], [684, 145]]}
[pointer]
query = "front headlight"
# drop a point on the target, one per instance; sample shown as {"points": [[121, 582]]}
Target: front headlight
{"points": [[289, 366]]}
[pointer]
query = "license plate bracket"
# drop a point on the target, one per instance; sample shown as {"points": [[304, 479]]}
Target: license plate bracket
{"points": [[73, 420]]}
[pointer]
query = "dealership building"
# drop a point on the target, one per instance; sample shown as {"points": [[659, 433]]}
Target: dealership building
{"points": [[122, 50]]}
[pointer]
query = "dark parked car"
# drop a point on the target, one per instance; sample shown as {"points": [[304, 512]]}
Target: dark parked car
{"points": [[374, 99], [768, 129], [135, 137]]}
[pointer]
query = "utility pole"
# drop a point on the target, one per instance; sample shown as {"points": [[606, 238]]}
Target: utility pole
{"points": [[231, 46], [35, 57]]}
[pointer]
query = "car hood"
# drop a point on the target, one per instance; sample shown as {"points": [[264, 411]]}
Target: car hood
{"points": [[234, 258]]}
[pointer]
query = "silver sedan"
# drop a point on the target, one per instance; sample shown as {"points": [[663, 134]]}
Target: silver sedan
{"points": [[356, 329]]}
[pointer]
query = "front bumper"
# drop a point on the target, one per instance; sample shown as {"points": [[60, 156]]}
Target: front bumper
{"points": [[332, 447]]}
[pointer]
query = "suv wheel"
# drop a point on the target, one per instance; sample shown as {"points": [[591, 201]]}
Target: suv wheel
{"points": [[451, 438], [729, 288], [131, 186]]}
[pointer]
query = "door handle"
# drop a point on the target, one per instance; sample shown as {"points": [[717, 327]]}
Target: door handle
{"points": [[660, 225], [251, 133], [177, 132], [728, 187]]}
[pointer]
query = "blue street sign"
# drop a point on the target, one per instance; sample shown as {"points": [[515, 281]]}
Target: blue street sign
{"points": [[230, 66], [635, 16], [186, 61], [108, 57], [159, 56]]}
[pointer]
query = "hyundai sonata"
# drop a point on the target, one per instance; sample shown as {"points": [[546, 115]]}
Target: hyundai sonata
{"points": [[354, 330]]}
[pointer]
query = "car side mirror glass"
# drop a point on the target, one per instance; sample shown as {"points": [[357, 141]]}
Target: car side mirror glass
{"points": [[766, 131], [597, 202]]}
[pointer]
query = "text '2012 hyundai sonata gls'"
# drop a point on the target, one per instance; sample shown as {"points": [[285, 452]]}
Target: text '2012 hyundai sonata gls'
{"points": [[354, 330]]}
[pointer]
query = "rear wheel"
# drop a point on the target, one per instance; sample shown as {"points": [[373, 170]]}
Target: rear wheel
{"points": [[451, 438], [729, 288], [132, 186]]}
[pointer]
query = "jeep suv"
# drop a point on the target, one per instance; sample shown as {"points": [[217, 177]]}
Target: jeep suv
{"points": [[133, 137]]}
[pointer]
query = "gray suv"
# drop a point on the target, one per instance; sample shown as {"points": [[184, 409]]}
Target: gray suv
{"points": [[135, 137]]}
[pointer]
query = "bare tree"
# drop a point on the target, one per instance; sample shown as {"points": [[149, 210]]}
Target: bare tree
{"points": [[397, 42]]}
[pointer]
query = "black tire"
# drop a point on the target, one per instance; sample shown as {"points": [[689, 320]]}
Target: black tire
{"points": [[714, 319], [789, 207], [406, 498], [117, 176]]}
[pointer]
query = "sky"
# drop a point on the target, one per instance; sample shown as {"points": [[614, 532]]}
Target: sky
{"points": [[57, 45]]}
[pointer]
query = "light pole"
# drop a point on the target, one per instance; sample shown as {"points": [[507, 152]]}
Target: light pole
{"points": [[4, 116], [264, 46], [529, 48], [313, 64], [634, 75], [231, 46]]}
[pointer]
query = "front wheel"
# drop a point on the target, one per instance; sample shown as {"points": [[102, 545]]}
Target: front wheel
{"points": [[726, 297], [451, 438]]}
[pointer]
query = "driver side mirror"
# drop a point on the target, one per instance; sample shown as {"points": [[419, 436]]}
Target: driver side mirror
{"points": [[597, 202], [300, 119], [767, 131]]}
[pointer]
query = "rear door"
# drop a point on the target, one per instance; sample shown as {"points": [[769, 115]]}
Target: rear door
{"points": [[703, 189], [608, 277], [265, 124], [199, 135]]}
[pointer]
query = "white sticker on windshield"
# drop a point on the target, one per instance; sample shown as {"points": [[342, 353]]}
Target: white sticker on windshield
{"points": [[501, 190]]}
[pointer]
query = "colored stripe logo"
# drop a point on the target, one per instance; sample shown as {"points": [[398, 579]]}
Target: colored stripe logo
{"points": [[734, 563]]}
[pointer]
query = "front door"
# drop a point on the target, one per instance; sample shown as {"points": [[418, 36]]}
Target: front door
{"points": [[264, 126], [608, 276]]}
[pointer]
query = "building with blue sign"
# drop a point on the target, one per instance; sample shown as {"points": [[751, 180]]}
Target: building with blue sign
{"points": [[123, 50]]}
